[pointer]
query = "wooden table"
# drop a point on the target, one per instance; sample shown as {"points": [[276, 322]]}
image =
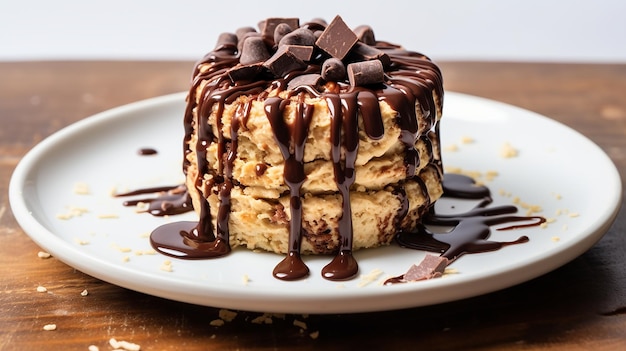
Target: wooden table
{"points": [[580, 306]]}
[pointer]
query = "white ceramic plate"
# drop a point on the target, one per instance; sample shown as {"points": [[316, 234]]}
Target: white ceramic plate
{"points": [[573, 181]]}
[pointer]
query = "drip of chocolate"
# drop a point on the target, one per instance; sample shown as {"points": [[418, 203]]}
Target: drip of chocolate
{"points": [[146, 151], [168, 200]]}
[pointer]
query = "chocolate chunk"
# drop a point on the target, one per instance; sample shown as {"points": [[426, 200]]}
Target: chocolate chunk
{"points": [[300, 36], [281, 30], [268, 26], [283, 62], [333, 70], [245, 72], [302, 52], [431, 267], [226, 41], [366, 72], [246, 36], [313, 80], [365, 34], [364, 52], [337, 39], [240, 32], [253, 51]]}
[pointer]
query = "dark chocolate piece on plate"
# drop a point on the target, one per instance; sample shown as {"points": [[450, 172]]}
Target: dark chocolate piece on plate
{"points": [[337, 39], [283, 62], [431, 267], [366, 72]]}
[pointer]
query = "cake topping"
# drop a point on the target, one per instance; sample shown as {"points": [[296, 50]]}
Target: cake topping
{"points": [[337, 39], [333, 70], [366, 72]]}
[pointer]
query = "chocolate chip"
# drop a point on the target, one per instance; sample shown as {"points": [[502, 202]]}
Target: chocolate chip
{"points": [[240, 32], [269, 26], [300, 36], [245, 72], [366, 72], [364, 52], [283, 62], [253, 51], [313, 80], [333, 70], [337, 39], [365, 34], [226, 41], [281, 30], [246, 36], [302, 52]]}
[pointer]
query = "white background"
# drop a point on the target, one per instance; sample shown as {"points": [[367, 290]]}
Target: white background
{"points": [[518, 30]]}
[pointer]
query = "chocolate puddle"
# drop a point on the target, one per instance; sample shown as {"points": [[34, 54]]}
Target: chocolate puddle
{"points": [[469, 234]]}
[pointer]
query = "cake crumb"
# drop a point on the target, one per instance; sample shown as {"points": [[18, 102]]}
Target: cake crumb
{"points": [[451, 148], [508, 151], [43, 254], [245, 279], [573, 214], [556, 238], [42, 289], [227, 315], [81, 189], [369, 277], [121, 249], [166, 266], [81, 241], [467, 140], [72, 211], [300, 324], [314, 335], [108, 216], [265, 318], [216, 323], [50, 327], [84, 293], [124, 345], [93, 348]]}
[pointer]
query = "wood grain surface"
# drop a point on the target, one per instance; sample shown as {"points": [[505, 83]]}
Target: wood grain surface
{"points": [[580, 306]]}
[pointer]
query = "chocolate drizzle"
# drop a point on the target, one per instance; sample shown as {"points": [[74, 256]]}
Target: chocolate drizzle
{"points": [[219, 79]]}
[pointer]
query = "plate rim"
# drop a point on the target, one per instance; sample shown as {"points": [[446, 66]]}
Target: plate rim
{"points": [[328, 301]]}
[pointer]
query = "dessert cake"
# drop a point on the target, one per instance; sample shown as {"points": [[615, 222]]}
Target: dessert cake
{"points": [[310, 138]]}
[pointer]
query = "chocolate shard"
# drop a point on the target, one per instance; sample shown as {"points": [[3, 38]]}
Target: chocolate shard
{"points": [[364, 52], [253, 51], [366, 72], [245, 72], [333, 70], [268, 26], [226, 41], [300, 36], [337, 39], [302, 52], [281, 30], [431, 267], [283, 62], [365, 34], [313, 80]]}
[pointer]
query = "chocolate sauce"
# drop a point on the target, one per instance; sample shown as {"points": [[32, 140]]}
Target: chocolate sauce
{"points": [[168, 200], [146, 151]]}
